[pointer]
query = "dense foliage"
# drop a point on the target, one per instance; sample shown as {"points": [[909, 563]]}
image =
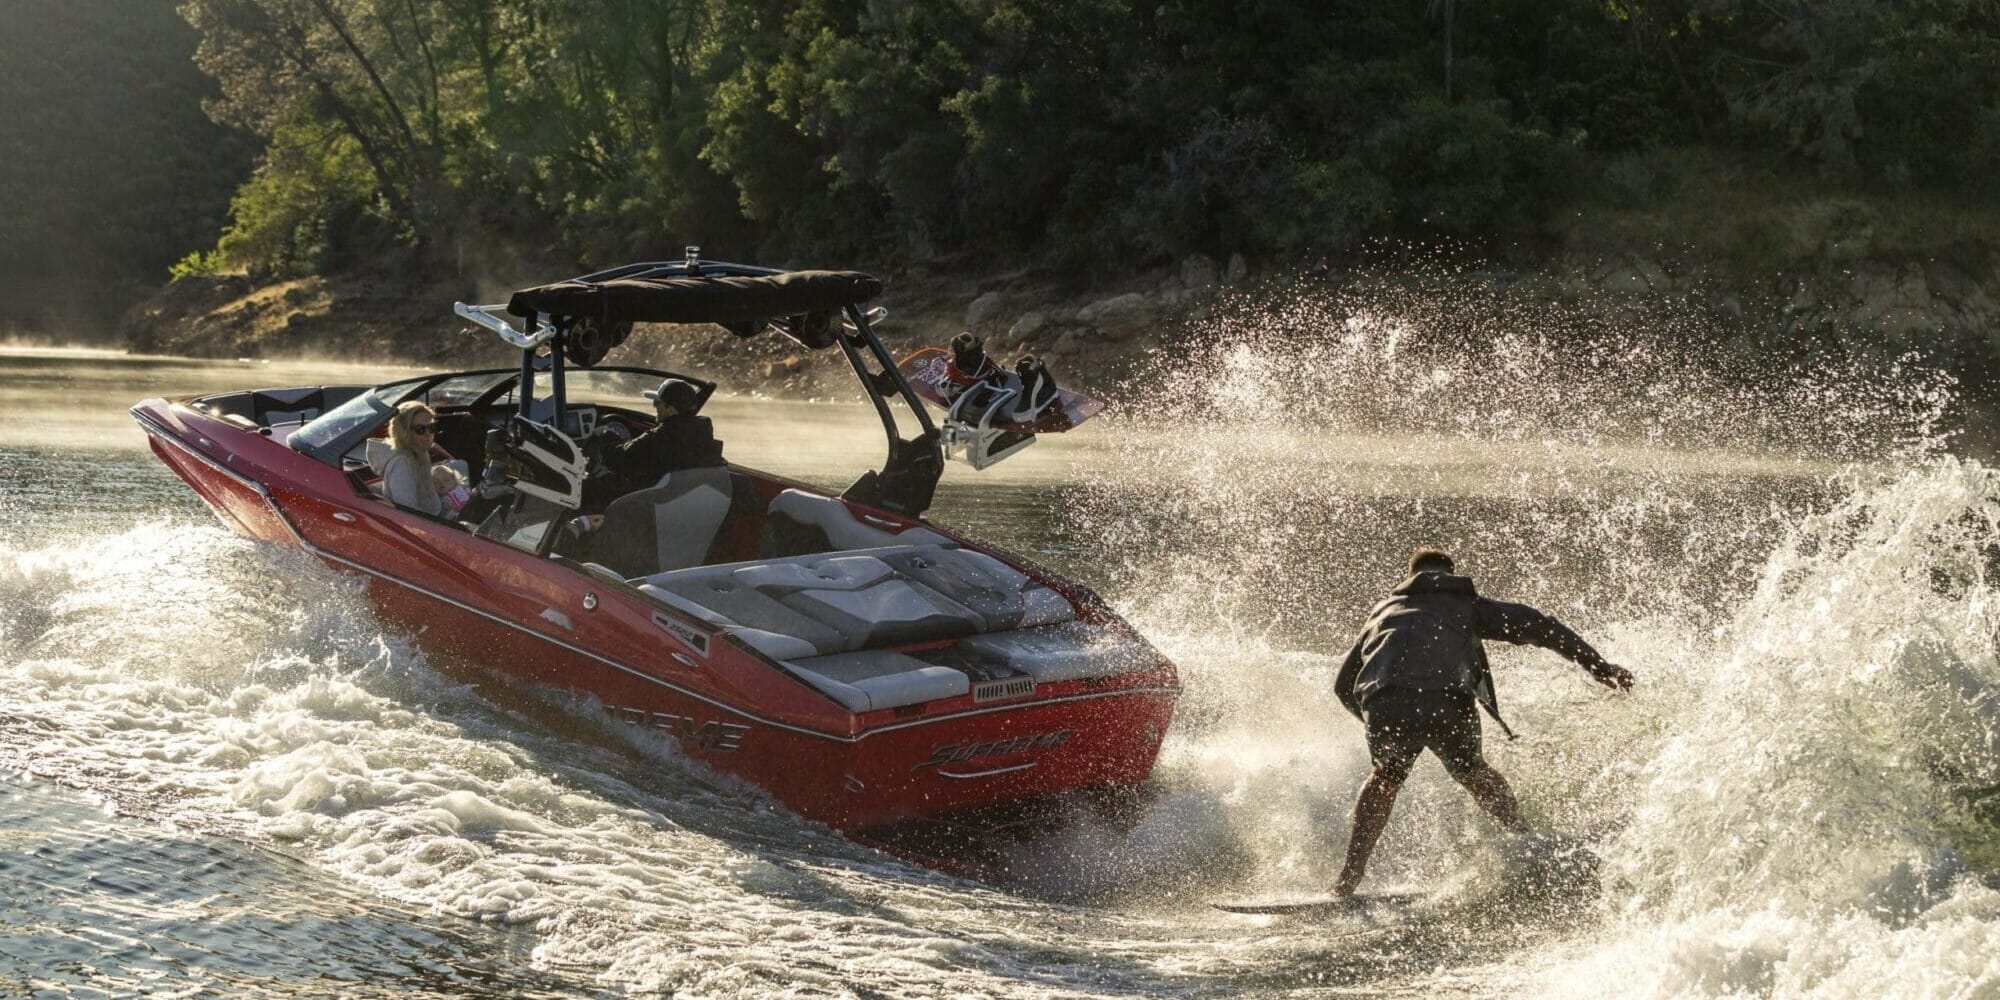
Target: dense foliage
{"points": [[1091, 133]]}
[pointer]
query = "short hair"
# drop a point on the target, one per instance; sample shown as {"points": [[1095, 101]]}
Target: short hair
{"points": [[1428, 559]]}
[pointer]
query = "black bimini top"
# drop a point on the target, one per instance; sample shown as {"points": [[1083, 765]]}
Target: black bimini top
{"points": [[730, 299]]}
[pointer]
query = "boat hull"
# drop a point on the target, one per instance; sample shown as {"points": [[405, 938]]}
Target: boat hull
{"points": [[532, 622], [885, 774]]}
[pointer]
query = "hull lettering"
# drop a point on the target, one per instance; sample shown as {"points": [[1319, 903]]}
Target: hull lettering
{"points": [[714, 736], [959, 753]]}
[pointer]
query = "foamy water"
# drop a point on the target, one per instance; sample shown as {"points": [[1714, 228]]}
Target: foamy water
{"points": [[213, 747]]}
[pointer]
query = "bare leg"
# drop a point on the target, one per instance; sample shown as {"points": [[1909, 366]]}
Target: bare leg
{"points": [[1371, 815], [1493, 794]]}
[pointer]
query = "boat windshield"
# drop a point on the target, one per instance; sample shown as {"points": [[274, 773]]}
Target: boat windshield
{"points": [[465, 390], [334, 432], [619, 387], [612, 388]]}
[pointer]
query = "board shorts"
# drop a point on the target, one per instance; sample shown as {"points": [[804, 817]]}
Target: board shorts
{"points": [[1404, 723]]}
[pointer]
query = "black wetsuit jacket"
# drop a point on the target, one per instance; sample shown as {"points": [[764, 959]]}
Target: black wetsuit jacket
{"points": [[678, 442], [1427, 637]]}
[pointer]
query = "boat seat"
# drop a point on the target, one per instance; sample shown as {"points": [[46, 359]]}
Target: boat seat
{"points": [[878, 678], [833, 520], [376, 451], [840, 602], [1001, 596], [1060, 652], [668, 527]]}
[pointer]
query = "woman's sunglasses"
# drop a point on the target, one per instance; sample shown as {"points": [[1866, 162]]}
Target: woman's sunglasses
{"points": [[422, 428]]}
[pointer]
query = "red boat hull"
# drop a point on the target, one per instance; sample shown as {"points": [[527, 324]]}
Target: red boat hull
{"points": [[542, 622]]}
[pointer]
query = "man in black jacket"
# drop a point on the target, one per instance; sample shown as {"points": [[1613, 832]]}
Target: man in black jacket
{"points": [[1413, 679], [680, 440]]}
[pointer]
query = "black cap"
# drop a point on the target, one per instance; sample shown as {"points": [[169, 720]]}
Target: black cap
{"points": [[677, 393]]}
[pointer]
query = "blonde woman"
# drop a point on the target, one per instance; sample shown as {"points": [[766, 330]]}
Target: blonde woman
{"points": [[406, 476]]}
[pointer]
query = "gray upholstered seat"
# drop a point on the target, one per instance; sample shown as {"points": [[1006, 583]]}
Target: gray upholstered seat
{"points": [[842, 529], [843, 601], [829, 617], [667, 527], [1061, 652], [877, 678], [1001, 596]]}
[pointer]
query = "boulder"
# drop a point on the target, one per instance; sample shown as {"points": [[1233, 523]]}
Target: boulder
{"points": [[1199, 271], [985, 310], [1025, 328], [1118, 317], [1236, 270]]}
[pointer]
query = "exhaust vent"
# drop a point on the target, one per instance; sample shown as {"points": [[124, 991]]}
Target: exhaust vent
{"points": [[1005, 687]]}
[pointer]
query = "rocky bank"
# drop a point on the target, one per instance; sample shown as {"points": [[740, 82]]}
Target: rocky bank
{"points": [[1943, 306]]}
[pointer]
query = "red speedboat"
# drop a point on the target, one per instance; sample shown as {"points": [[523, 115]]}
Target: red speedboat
{"points": [[872, 670]]}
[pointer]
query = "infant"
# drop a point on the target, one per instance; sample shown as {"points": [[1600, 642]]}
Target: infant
{"points": [[451, 489]]}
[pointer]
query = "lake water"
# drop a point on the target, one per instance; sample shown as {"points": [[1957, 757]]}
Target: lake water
{"points": [[220, 776]]}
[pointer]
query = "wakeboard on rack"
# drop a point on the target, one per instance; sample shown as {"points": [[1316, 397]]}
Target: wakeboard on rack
{"points": [[992, 412]]}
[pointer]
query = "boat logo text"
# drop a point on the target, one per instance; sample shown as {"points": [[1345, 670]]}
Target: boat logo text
{"points": [[689, 636], [959, 753], [710, 735]]}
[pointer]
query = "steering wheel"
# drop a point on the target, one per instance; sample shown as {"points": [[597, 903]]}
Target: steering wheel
{"points": [[610, 433]]}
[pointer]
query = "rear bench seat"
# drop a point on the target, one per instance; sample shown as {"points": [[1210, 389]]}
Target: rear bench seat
{"points": [[840, 602], [828, 615]]}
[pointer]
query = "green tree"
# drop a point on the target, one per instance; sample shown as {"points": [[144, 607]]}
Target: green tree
{"points": [[1865, 88], [366, 66]]}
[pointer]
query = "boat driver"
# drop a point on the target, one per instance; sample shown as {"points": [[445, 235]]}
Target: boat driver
{"points": [[681, 440]]}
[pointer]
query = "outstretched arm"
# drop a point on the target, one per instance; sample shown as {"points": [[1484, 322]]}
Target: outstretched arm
{"points": [[1519, 623]]}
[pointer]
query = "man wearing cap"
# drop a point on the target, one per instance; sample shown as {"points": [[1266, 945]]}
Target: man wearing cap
{"points": [[680, 440], [1413, 679]]}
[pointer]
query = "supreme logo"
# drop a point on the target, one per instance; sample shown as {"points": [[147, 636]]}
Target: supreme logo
{"points": [[721, 737], [958, 753]]}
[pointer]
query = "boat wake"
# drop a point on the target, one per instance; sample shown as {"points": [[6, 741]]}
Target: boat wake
{"points": [[153, 670], [1801, 798]]}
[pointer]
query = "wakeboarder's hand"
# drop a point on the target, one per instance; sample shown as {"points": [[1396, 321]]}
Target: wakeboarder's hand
{"points": [[1615, 677]]}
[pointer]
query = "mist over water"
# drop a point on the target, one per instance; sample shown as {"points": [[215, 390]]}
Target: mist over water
{"points": [[1802, 797]]}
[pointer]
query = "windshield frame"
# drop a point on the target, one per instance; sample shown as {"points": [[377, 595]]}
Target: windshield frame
{"points": [[336, 432], [333, 434]]}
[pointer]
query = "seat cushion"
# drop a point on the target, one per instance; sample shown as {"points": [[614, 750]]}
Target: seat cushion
{"points": [[1066, 651], [843, 601], [878, 679], [845, 572], [890, 612], [843, 530], [728, 601]]}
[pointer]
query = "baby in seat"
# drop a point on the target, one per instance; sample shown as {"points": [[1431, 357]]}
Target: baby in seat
{"points": [[452, 492]]}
